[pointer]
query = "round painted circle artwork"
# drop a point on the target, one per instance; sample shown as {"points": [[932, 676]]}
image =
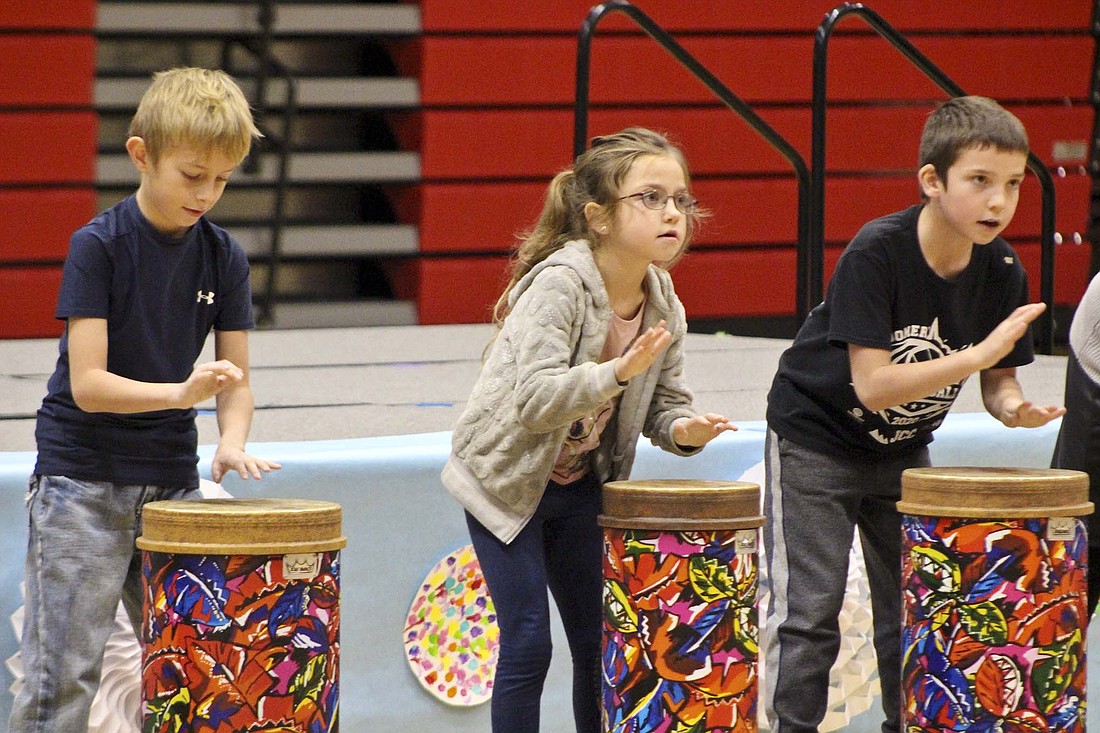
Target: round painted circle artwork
{"points": [[451, 635]]}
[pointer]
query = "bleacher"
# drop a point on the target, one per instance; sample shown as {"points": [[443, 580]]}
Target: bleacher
{"points": [[497, 91], [426, 133]]}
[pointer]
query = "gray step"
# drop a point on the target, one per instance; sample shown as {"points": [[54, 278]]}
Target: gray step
{"points": [[329, 129], [350, 240], [246, 205], [230, 18], [115, 169], [343, 314], [313, 93]]}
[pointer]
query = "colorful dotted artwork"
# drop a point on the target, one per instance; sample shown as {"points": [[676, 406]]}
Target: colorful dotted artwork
{"points": [[451, 635]]}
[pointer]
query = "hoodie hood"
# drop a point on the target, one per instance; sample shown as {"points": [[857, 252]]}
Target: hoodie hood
{"points": [[578, 256]]}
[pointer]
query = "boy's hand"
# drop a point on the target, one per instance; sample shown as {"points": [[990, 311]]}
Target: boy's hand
{"points": [[699, 430], [1001, 341], [642, 353], [228, 459], [208, 380], [1029, 415]]}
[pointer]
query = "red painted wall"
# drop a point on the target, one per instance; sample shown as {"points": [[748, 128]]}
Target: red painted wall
{"points": [[48, 145], [497, 84]]}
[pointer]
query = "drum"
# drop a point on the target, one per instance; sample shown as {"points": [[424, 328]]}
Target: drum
{"points": [[680, 635], [241, 622], [994, 586]]}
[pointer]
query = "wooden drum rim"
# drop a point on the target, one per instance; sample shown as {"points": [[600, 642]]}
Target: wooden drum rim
{"points": [[241, 526], [681, 504], [994, 492]]}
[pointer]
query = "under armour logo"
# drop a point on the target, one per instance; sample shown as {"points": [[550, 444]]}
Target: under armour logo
{"points": [[208, 297]]}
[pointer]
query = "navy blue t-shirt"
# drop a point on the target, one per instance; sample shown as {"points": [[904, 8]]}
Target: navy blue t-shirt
{"points": [[161, 297], [883, 295]]}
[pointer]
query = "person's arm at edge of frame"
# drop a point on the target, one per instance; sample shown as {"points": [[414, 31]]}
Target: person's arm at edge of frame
{"points": [[235, 406]]}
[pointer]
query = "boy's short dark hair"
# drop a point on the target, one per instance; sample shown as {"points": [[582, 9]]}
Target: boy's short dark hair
{"points": [[968, 122]]}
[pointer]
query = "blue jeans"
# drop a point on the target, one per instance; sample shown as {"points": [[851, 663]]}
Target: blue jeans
{"points": [[561, 547], [81, 561]]}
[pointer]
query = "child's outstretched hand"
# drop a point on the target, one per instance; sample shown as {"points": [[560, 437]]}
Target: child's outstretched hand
{"points": [[1029, 415], [642, 353], [1001, 341], [228, 459], [700, 430]]}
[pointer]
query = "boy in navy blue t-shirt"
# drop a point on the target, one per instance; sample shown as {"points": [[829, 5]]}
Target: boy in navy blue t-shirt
{"points": [[144, 284]]}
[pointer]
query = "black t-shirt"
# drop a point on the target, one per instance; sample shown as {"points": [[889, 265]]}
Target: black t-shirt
{"points": [[161, 298], [883, 295]]}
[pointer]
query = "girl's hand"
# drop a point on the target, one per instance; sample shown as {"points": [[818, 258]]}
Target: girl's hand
{"points": [[228, 459], [642, 353], [699, 430]]}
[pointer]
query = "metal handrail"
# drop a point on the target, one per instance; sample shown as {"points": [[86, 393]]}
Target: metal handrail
{"points": [[1045, 323], [258, 47], [732, 101]]}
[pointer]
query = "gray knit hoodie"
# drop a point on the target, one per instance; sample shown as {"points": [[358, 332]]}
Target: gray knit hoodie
{"points": [[541, 374]]}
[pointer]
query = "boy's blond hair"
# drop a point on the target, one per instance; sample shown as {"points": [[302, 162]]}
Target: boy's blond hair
{"points": [[200, 108]]}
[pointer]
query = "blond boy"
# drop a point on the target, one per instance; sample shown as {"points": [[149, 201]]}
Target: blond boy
{"points": [[144, 284]]}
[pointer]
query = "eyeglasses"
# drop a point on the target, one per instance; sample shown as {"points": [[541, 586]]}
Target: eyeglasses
{"points": [[656, 199]]}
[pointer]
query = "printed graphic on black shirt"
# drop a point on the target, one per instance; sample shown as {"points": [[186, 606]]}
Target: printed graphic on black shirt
{"points": [[912, 344]]}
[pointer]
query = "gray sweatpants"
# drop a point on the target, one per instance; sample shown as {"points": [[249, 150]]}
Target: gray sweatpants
{"points": [[813, 501]]}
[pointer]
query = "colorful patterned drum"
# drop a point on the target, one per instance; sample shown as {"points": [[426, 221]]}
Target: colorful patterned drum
{"points": [[994, 587], [680, 616], [241, 622]]}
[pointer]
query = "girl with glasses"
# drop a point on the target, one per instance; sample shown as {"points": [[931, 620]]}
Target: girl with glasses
{"points": [[589, 354]]}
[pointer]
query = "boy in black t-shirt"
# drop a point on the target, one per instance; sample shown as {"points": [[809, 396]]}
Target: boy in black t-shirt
{"points": [[920, 300], [143, 285]]}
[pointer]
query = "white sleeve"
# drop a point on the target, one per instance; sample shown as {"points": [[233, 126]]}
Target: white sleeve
{"points": [[1084, 331]]}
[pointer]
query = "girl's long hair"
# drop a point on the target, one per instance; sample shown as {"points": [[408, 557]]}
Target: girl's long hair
{"points": [[595, 176]]}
